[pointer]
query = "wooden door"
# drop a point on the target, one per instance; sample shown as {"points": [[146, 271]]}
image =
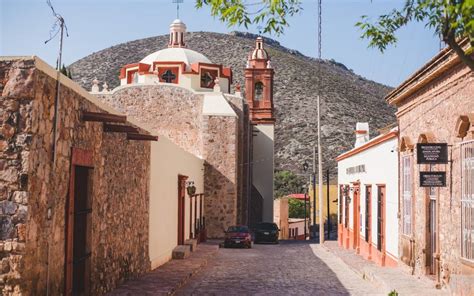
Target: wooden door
{"points": [[368, 216], [381, 218], [78, 224], [356, 217], [181, 207]]}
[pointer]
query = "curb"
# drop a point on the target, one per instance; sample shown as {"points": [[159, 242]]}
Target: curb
{"points": [[364, 274]]}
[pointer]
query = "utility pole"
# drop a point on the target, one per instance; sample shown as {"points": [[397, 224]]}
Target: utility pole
{"points": [[313, 182], [320, 152], [327, 200]]}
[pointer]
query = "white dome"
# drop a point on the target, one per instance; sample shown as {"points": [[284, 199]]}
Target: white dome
{"points": [[177, 54]]}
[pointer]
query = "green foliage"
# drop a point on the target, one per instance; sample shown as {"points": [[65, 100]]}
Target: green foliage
{"points": [[393, 293], [272, 14], [66, 72], [296, 208], [286, 183], [450, 19]]}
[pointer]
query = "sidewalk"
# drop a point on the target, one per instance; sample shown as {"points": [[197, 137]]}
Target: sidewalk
{"points": [[166, 279], [387, 278]]}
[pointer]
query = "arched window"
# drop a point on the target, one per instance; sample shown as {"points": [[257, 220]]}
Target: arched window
{"points": [[258, 91]]}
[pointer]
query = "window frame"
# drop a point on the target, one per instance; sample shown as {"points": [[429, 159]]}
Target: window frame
{"points": [[467, 200], [407, 193]]}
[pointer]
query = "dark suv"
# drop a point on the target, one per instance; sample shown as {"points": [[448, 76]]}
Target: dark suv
{"points": [[266, 232]]}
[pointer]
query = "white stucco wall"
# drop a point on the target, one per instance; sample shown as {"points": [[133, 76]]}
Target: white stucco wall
{"points": [[263, 165], [167, 162], [381, 167]]}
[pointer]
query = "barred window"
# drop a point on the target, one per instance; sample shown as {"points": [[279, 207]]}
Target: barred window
{"points": [[407, 193], [467, 200]]}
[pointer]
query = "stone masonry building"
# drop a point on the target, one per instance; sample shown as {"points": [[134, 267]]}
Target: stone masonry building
{"points": [[73, 196], [180, 94], [435, 106]]}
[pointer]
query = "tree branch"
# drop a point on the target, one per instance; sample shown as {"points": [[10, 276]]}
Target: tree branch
{"points": [[466, 59]]}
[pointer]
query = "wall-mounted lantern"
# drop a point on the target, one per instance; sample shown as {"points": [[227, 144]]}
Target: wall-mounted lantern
{"points": [[191, 189]]}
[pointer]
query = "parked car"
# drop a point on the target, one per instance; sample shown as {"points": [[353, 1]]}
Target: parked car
{"points": [[266, 232], [238, 236]]}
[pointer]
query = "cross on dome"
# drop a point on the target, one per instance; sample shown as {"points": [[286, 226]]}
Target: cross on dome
{"points": [[177, 30]]}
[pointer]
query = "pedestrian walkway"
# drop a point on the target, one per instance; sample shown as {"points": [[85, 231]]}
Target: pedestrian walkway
{"points": [[387, 278], [166, 279]]}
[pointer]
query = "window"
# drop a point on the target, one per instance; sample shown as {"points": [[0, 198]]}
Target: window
{"points": [[168, 74], [131, 74], [258, 91], [208, 78], [407, 193], [467, 200]]}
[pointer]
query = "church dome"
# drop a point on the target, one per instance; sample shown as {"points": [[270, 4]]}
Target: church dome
{"points": [[176, 51], [176, 54]]}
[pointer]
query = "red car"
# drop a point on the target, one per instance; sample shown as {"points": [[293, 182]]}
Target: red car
{"points": [[238, 236]]}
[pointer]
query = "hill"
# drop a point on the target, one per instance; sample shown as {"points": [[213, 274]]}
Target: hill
{"points": [[345, 96]]}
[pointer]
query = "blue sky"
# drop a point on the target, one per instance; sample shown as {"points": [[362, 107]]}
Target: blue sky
{"points": [[97, 24]]}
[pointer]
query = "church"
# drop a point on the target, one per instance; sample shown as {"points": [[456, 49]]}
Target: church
{"points": [[228, 138]]}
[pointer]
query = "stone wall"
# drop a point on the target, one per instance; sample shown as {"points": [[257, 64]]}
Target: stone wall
{"points": [[34, 189], [171, 111], [434, 110], [220, 173], [244, 148]]}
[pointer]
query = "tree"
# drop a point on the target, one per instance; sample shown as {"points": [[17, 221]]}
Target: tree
{"points": [[286, 183], [66, 72], [271, 13], [452, 20], [296, 208]]}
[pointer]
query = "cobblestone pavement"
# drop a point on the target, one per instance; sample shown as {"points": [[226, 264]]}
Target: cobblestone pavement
{"points": [[290, 268], [168, 277]]}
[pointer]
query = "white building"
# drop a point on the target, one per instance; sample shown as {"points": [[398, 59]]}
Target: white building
{"points": [[368, 196]]}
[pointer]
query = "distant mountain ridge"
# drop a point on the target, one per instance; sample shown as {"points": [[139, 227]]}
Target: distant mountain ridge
{"points": [[346, 97]]}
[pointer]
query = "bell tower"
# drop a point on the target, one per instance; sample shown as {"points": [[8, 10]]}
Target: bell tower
{"points": [[259, 85], [259, 96]]}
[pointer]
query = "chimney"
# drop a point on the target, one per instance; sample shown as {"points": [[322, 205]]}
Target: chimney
{"points": [[362, 133]]}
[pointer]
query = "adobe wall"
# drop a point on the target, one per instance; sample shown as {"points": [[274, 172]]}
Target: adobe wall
{"points": [[170, 111], [32, 245], [434, 110]]}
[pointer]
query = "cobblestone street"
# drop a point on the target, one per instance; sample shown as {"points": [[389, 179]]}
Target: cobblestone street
{"points": [[290, 268]]}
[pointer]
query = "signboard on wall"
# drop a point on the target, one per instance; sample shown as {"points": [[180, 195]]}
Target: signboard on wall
{"points": [[432, 179], [432, 153]]}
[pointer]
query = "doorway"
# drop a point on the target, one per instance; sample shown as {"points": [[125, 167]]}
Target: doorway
{"points": [[181, 207], [368, 218], [356, 217], [432, 230], [381, 219], [78, 224]]}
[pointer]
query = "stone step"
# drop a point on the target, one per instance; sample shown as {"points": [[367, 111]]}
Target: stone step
{"points": [[192, 243], [181, 251]]}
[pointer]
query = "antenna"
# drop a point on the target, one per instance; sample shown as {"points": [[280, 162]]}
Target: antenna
{"points": [[59, 26], [177, 7]]}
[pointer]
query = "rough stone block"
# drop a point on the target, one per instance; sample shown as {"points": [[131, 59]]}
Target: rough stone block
{"points": [[7, 207], [181, 252], [192, 243]]}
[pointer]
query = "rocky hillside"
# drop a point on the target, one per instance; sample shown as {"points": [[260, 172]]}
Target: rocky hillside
{"points": [[346, 97]]}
